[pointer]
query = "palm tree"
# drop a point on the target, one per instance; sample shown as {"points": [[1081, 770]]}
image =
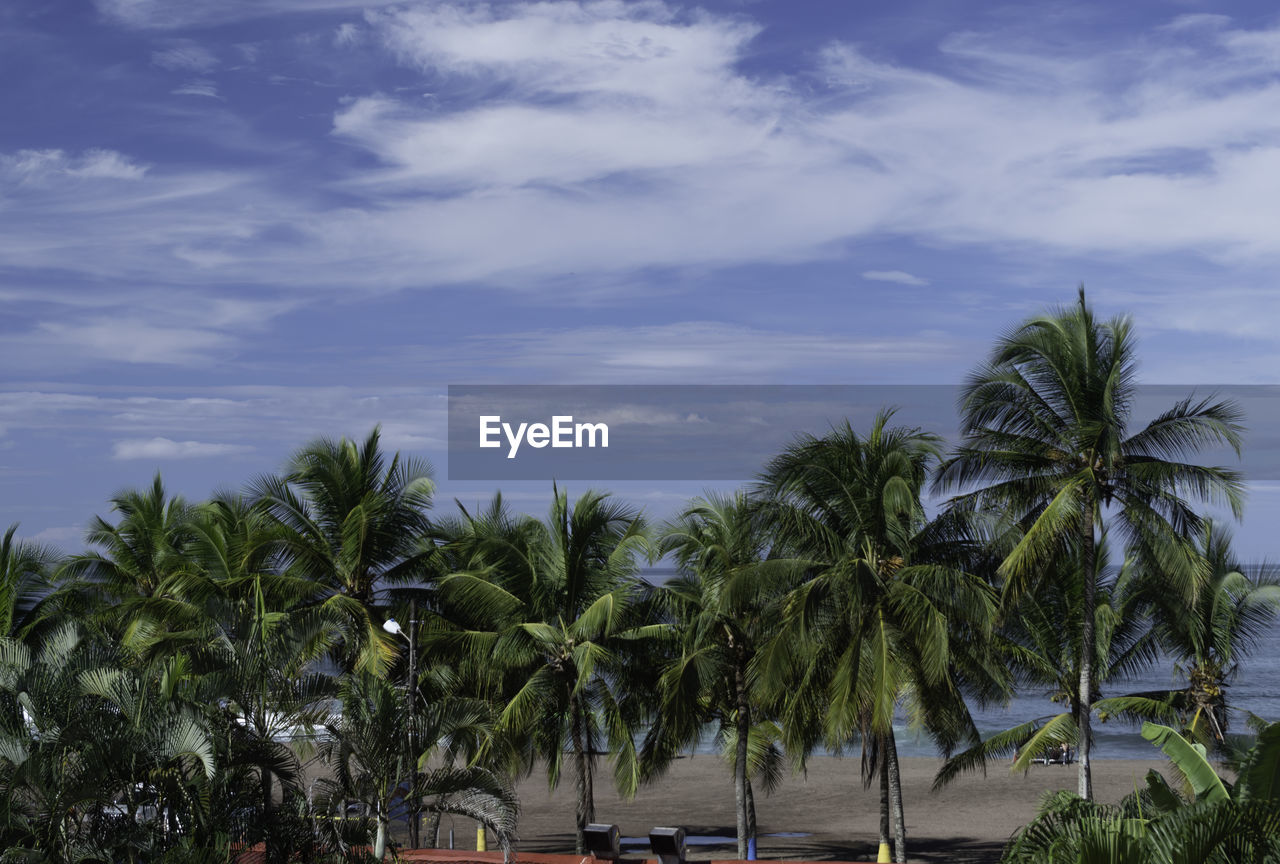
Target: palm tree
{"points": [[874, 623], [724, 605], [557, 609], [143, 581], [366, 749], [1047, 441], [1208, 638], [260, 660], [355, 525], [1040, 638], [24, 582]]}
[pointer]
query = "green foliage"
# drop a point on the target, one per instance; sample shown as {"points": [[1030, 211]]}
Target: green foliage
{"points": [[1190, 760], [1041, 638], [366, 746], [555, 609], [1048, 446], [96, 759], [872, 627], [1209, 636], [352, 523], [1218, 824], [725, 606], [24, 584], [161, 692]]}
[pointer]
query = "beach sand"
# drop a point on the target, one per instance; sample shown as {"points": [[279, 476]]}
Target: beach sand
{"points": [[968, 821]]}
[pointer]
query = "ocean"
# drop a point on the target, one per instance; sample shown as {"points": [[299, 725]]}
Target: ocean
{"points": [[1256, 688]]}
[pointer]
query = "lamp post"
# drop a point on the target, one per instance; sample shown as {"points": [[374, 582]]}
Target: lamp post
{"points": [[411, 698]]}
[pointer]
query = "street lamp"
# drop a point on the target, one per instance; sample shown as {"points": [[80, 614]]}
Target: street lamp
{"points": [[411, 696]]}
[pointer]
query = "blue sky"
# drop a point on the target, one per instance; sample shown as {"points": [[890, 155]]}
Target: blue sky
{"points": [[227, 227]]}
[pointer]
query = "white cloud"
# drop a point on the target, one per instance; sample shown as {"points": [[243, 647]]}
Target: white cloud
{"points": [[167, 448], [174, 326], [629, 137], [36, 166], [185, 56], [346, 34], [132, 340], [198, 87], [181, 14], [901, 277]]}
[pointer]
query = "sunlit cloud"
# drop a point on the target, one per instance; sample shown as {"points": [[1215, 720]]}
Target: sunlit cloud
{"points": [[628, 137]]}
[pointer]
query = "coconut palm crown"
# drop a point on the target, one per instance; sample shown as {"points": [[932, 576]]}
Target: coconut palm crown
{"points": [[1047, 440]]}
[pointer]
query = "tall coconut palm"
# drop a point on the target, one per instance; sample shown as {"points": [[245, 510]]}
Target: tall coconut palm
{"points": [[1047, 441], [557, 609], [1208, 638], [725, 606], [355, 523], [1040, 638], [874, 624]]}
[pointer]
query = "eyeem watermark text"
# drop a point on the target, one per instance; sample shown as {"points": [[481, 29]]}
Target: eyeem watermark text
{"points": [[562, 432]]}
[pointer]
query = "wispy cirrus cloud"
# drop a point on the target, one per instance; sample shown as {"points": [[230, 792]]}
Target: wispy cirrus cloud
{"points": [[900, 277], [181, 14], [72, 329], [40, 166], [198, 87], [132, 340], [185, 55], [583, 141], [161, 448]]}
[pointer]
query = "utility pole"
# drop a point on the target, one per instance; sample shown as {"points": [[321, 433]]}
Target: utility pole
{"points": [[415, 809]]}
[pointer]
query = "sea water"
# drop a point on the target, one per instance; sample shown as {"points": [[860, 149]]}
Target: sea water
{"points": [[1255, 688]]}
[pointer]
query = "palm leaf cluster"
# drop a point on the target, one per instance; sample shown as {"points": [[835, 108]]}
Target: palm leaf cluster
{"points": [[1211, 821]]}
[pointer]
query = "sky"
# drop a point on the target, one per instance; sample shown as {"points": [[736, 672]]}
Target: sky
{"points": [[230, 226]]}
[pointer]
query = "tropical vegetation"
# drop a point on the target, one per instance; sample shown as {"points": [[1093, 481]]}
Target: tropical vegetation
{"points": [[207, 677]]}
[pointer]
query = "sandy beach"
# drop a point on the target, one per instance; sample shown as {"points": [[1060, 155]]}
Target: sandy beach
{"points": [[969, 821]]}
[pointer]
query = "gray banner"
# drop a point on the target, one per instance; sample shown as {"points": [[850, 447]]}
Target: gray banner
{"points": [[728, 432]]}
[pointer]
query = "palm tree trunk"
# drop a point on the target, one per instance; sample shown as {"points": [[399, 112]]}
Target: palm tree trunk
{"points": [[895, 798], [380, 839], [751, 819], [268, 834], [582, 764], [433, 829], [1087, 649], [740, 756], [882, 855]]}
